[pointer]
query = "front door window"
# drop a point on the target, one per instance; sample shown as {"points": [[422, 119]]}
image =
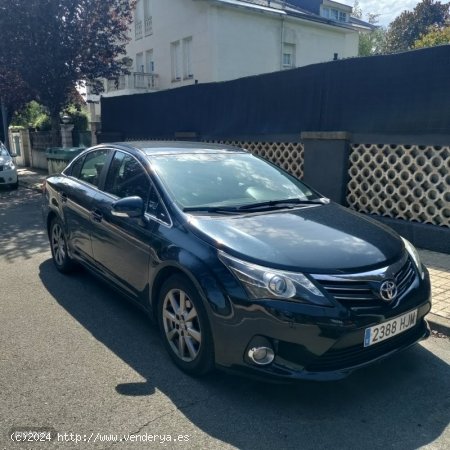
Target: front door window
{"points": [[127, 177]]}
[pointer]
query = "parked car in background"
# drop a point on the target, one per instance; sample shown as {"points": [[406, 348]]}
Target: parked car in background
{"points": [[241, 265], [8, 170]]}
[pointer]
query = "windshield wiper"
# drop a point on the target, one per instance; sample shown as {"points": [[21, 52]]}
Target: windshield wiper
{"points": [[286, 203], [212, 209]]}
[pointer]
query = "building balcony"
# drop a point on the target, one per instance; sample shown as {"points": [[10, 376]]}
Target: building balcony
{"points": [[136, 82]]}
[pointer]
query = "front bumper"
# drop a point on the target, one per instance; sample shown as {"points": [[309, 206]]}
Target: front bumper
{"points": [[8, 177], [314, 343]]}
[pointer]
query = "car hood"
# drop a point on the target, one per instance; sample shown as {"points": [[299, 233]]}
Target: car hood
{"points": [[318, 239]]}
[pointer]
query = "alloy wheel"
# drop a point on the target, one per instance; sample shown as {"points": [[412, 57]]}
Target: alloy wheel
{"points": [[58, 244], [181, 325]]}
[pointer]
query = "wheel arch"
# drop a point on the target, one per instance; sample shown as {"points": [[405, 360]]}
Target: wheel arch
{"points": [[164, 274], [51, 215], [198, 273]]}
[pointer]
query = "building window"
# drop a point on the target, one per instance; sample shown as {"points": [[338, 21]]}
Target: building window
{"points": [[288, 56], [334, 14], [138, 22], [175, 53], [148, 21], [140, 62], [149, 63], [342, 16], [187, 58]]}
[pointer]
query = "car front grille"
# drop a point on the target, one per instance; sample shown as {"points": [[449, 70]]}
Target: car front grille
{"points": [[353, 356], [1, 168], [362, 293]]}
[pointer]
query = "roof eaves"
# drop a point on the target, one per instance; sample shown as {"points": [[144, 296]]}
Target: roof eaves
{"points": [[322, 20], [254, 6], [288, 11], [362, 24]]}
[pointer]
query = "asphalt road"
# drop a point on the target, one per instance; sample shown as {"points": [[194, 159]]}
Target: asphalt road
{"points": [[76, 357]]}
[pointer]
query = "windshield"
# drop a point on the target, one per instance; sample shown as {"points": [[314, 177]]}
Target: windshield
{"points": [[230, 179], [3, 151]]}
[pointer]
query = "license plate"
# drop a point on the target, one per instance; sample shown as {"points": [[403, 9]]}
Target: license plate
{"points": [[391, 328]]}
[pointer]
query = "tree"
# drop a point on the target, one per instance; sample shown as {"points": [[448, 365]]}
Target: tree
{"points": [[409, 26], [435, 36], [53, 44], [14, 93], [370, 42]]}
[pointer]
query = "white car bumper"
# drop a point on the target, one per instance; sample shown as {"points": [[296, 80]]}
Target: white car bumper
{"points": [[8, 176]]}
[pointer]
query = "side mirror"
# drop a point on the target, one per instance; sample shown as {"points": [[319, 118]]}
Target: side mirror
{"points": [[13, 155], [128, 207]]}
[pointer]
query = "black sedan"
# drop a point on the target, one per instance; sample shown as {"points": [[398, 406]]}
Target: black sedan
{"points": [[241, 265]]}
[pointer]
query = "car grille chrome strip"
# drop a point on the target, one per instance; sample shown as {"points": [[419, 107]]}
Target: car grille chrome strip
{"points": [[361, 289], [404, 278]]}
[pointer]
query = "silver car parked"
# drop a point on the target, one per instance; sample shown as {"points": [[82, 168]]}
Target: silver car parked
{"points": [[8, 170]]}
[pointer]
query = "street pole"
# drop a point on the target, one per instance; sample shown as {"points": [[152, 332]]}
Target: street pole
{"points": [[5, 123]]}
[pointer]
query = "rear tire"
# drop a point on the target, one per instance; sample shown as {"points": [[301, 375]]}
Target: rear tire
{"points": [[184, 326], [58, 246]]}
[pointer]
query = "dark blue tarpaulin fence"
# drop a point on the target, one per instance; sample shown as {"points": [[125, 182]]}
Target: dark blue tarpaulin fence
{"points": [[407, 93]]}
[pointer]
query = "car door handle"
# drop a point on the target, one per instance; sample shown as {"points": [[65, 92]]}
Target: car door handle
{"points": [[63, 197], [96, 215]]}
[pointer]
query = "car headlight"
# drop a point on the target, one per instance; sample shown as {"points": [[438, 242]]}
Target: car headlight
{"points": [[415, 256], [262, 282], [9, 165]]}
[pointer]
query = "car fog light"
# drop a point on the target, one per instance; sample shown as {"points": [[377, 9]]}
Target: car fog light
{"points": [[261, 355]]}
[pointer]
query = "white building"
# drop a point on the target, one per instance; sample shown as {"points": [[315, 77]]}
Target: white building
{"points": [[181, 42]]}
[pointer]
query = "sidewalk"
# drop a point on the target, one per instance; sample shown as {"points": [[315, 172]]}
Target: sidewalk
{"points": [[31, 178], [438, 264]]}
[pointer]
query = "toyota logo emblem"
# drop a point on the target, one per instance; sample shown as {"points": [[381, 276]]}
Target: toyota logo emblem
{"points": [[388, 290]]}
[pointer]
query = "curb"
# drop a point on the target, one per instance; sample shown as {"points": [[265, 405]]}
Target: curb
{"points": [[439, 324]]}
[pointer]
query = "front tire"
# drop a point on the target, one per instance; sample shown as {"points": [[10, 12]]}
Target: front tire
{"points": [[184, 326], [58, 245]]}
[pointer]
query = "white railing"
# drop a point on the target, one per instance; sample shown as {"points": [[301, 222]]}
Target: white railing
{"points": [[135, 80]]}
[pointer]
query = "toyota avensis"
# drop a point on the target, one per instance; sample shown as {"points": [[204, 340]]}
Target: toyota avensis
{"points": [[241, 265]]}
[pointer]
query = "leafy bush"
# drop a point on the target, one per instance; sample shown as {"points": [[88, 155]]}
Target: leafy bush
{"points": [[80, 121], [78, 117], [28, 116], [43, 122]]}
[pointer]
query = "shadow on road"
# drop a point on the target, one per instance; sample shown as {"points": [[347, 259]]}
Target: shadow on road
{"points": [[390, 405], [22, 233]]}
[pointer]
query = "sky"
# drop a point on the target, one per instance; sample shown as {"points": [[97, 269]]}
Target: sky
{"points": [[388, 9]]}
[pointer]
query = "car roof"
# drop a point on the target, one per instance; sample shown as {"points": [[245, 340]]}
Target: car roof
{"points": [[151, 148]]}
